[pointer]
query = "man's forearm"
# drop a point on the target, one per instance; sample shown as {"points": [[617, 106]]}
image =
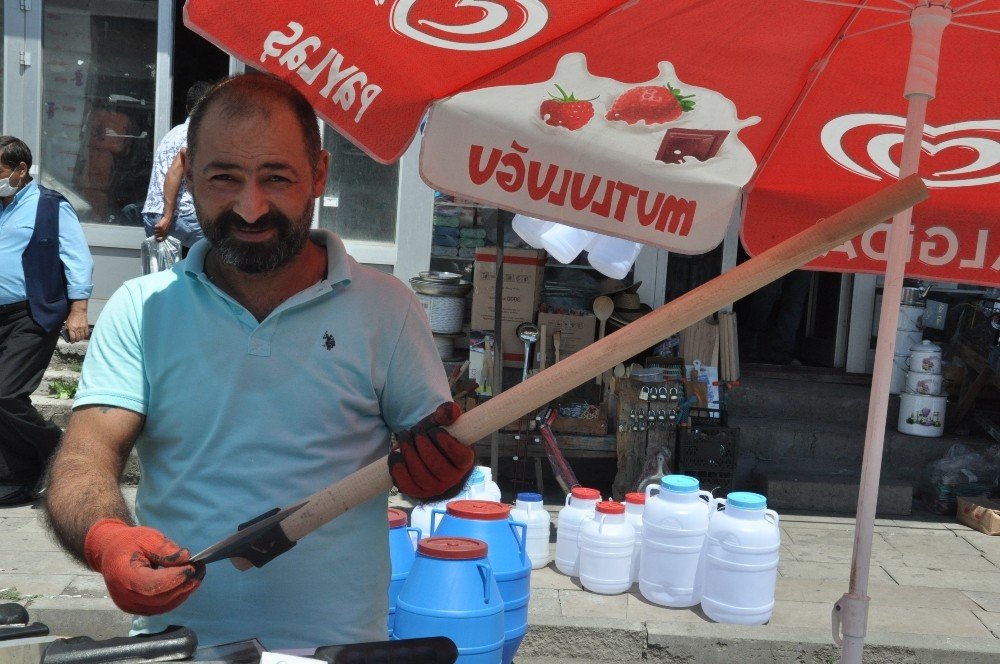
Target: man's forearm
{"points": [[83, 478]]}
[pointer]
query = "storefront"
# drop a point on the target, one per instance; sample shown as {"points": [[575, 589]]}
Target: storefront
{"points": [[93, 85]]}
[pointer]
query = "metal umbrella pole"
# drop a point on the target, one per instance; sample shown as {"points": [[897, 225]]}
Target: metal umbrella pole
{"points": [[850, 613]]}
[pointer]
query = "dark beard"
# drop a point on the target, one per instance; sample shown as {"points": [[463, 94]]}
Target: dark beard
{"points": [[259, 257]]}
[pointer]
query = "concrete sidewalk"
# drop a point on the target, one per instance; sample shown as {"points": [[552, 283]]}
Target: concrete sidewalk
{"points": [[935, 588]]}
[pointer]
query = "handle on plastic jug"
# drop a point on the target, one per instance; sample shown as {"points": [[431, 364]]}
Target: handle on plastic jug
{"points": [[522, 540], [772, 514], [413, 540], [568, 496], [486, 573], [716, 502], [649, 489], [707, 495], [433, 525]]}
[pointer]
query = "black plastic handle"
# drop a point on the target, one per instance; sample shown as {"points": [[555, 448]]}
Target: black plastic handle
{"points": [[8, 632], [428, 650], [170, 645], [13, 613]]}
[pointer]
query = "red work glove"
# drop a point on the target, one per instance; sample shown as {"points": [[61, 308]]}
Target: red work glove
{"points": [[145, 572], [429, 463]]}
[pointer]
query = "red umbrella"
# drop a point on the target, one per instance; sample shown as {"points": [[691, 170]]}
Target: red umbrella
{"points": [[654, 121]]}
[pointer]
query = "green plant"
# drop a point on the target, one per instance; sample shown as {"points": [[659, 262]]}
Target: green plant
{"points": [[10, 594], [74, 365], [62, 389]]}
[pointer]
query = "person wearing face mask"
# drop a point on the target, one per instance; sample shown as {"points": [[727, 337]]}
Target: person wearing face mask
{"points": [[45, 282]]}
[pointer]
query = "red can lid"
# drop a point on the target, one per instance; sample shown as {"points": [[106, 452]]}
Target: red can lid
{"points": [[397, 518], [480, 510], [610, 507], [584, 493], [452, 548], [636, 498]]}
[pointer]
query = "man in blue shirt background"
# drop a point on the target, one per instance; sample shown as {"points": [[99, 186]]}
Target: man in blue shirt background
{"points": [[45, 282]]}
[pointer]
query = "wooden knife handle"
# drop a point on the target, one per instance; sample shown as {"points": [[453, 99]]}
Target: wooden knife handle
{"points": [[525, 397]]}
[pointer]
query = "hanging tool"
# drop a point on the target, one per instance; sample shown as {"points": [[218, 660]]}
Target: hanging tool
{"points": [[560, 467], [528, 333]]}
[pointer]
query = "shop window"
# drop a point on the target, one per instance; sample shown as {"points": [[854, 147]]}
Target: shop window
{"points": [[359, 203], [98, 105]]}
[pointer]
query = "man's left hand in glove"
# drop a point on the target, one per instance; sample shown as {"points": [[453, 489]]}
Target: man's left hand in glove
{"points": [[429, 463]]}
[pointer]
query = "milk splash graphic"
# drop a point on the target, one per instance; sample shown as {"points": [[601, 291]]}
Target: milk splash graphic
{"points": [[492, 144]]}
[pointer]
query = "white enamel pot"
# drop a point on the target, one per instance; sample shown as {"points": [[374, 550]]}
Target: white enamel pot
{"points": [[918, 382], [925, 357], [911, 317], [921, 414], [907, 339], [899, 368]]}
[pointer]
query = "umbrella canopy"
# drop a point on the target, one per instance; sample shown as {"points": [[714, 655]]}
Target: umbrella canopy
{"points": [[651, 120], [658, 121]]}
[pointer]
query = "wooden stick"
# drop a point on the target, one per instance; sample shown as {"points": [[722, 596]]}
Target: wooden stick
{"points": [[373, 479]]}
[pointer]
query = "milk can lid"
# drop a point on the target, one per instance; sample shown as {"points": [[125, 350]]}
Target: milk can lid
{"points": [[746, 500], [610, 507], [477, 477], [452, 548], [479, 510], [529, 497], [925, 346], [397, 518], [680, 483], [636, 498], [585, 494]]}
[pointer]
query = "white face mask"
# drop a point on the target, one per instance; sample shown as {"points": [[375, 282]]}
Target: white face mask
{"points": [[6, 188]]}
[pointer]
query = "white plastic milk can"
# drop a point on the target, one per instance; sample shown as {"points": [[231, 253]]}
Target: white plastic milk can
{"points": [[580, 505], [528, 509], [674, 524], [635, 504], [741, 560], [606, 545]]}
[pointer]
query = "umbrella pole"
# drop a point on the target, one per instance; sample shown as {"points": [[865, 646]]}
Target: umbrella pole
{"points": [[850, 613]]}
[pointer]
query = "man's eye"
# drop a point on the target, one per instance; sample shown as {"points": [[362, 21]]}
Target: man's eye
{"points": [[222, 177], [277, 178]]}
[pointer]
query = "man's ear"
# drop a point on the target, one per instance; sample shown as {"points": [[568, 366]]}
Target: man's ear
{"points": [[320, 172]]}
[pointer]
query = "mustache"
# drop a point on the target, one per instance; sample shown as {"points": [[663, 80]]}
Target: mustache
{"points": [[270, 219]]}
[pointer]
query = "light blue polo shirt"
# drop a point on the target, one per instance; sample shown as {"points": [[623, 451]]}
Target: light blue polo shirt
{"points": [[242, 417]]}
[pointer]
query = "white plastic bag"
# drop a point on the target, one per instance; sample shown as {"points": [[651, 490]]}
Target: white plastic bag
{"points": [[159, 256]]}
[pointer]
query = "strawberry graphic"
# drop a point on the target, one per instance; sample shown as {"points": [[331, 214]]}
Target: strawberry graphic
{"points": [[652, 104], [566, 110]]}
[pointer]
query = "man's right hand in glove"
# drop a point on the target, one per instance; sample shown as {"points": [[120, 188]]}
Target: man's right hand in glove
{"points": [[145, 572]]}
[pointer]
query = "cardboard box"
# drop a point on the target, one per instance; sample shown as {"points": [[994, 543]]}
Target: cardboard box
{"points": [[983, 514], [523, 274], [577, 332]]}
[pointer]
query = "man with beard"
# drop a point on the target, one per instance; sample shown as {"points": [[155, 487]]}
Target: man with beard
{"points": [[289, 364]]}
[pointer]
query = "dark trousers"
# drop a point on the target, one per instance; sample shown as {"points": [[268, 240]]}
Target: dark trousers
{"points": [[27, 440], [773, 316]]}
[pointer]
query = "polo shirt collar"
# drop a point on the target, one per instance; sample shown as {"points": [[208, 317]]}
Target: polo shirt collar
{"points": [[338, 268]]}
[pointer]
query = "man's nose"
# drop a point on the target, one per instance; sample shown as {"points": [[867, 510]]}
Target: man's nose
{"points": [[251, 204]]}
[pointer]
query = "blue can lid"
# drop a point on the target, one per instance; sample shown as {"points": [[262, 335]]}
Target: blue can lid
{"points": [[746, 500], [530, 497], [680, 483], [477, 477]]}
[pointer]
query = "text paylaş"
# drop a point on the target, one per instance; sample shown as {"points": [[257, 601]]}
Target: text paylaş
{"points": [[343, 85]]}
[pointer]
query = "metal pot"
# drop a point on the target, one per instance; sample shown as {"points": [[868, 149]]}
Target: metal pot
{"points": [[918, 382], [441, 288], [914, 295], [921, 414], [926, 357], [911, 317]]}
